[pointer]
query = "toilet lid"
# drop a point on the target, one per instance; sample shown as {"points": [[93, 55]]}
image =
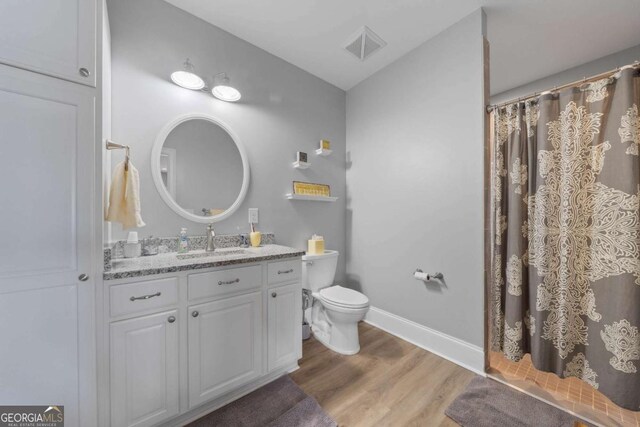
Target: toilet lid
{"points": [[344, 296]]}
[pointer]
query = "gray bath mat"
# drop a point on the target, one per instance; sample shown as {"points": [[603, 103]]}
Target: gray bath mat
{"points": [[488, 403], [280, 403]]}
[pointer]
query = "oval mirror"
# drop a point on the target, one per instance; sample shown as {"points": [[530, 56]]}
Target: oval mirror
{"points": [[200, 168]]}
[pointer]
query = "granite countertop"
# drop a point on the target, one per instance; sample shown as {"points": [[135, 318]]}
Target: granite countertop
{"points": [[122, 268]]}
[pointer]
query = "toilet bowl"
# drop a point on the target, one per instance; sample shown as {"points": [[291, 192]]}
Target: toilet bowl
{"points": [[336, 310]]}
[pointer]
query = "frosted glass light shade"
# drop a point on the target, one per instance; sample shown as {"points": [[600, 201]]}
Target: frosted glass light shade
{"points": [[187, 78], [226, 93], [223, 90]]}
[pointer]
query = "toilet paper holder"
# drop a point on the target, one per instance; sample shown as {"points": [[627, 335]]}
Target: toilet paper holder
{"points": [[421, 275]]}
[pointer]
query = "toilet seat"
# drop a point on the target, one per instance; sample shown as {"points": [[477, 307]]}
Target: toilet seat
{"points": [[343, 297]]}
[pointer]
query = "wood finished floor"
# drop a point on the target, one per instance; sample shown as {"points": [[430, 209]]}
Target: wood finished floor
{"points": [[389, 383]]}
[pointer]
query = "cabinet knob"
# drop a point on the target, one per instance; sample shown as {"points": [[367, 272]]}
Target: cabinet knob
{"points": [[273, 294], [195, 313], [83, 277], [171, 319], [84, 72]]}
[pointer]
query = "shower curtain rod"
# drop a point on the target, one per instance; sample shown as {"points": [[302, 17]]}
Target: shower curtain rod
{"points": [[636, 64]]}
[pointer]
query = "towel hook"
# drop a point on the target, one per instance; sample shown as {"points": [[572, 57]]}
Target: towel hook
{"points": [[114, 146]]}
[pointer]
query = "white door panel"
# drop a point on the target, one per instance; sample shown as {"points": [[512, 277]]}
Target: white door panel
{"points": [[47, 137], [46, 146], [144, 370], [54, 37], [39, 351], [284, 314], [225, 345]]}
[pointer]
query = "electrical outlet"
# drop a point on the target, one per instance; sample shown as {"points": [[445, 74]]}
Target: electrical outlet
{"points": [[253, 216]]}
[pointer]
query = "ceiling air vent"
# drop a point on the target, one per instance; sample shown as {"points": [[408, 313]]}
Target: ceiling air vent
{"points": [[364, 43]]}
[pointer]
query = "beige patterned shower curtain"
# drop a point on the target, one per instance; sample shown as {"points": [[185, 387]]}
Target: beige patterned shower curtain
{"points": [[565, 238]]}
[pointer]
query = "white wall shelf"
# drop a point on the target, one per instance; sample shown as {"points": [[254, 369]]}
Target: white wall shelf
{"points": [[323, 152], [301, 165], [310, 198]]}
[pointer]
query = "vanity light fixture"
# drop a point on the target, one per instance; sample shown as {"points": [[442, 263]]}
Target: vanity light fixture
{"points": [[187, 78], [223, 90]]}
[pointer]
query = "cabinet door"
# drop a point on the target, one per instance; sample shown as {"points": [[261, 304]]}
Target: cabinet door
{"points": [[54, 37], [284, 313], [47, 140], [144, 370], [225, 345]]}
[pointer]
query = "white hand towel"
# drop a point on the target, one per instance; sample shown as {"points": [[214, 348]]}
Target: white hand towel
{"points": [[124, 197]]}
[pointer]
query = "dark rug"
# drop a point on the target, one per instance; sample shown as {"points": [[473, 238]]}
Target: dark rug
{"points": [[488, 403], [280, 403]]}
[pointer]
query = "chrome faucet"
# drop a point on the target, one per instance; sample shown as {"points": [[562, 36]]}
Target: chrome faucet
{"points": [[210, 235]]}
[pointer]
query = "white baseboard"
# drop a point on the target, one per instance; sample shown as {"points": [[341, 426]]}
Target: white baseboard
{"points": [[460, 352]]}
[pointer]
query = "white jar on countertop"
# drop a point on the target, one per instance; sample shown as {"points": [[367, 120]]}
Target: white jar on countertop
{"points": [[132, 247]]}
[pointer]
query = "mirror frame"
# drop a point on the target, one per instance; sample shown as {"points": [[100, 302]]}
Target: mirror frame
{"points": [[157, 177]]}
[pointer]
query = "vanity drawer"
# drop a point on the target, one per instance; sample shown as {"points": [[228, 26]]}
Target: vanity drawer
{"points": [[143, 296], [283, 271], [221, 282]]}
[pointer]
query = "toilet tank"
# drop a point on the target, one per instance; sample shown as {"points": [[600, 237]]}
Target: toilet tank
{"points": [[318, 271]]}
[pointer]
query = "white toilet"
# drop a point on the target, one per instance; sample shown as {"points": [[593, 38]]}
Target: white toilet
{"points": [[336, 310]]}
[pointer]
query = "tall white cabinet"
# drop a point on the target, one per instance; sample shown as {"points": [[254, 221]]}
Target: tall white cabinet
{"points": [[47, 215]]}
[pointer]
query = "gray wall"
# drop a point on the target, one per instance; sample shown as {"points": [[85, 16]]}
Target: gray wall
{"points": [[208, 166], [415, 183], [283, 110], [601, 65]]}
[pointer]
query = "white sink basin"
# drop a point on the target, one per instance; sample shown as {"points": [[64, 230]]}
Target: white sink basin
{"points": [[216, 253]]}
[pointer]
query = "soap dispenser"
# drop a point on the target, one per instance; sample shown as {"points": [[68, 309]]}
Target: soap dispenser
{"points": [[183, 241]]}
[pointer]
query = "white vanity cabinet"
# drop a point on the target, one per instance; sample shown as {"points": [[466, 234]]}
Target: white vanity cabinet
{"points": [[144, 369], [53, 37], [192, 341]]}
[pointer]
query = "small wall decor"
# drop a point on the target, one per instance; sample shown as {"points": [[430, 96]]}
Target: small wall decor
{"points": [[301, 161], [311, 189], [325, 148]]}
